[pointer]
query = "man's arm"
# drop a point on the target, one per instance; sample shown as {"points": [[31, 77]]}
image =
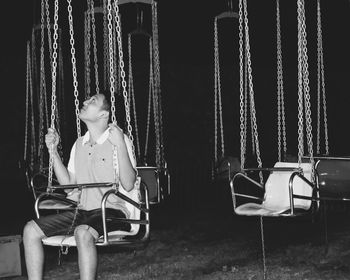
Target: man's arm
{"points": [[63, 176], [127, 173]]}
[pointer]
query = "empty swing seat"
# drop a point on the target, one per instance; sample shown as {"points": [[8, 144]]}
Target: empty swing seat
{"points": [[333, 178], [138, 206], [286, 182], [157, 181]]}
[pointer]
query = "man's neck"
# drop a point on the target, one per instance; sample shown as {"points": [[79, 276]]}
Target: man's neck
{"points": [[96, 130]]}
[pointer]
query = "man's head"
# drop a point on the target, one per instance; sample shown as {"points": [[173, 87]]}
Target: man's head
{"points": [[95, 109]]}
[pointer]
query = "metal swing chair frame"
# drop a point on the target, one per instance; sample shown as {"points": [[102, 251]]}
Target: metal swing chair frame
{"points": [[137, 200], [291, 187]]}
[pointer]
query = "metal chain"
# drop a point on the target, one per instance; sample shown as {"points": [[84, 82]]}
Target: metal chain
{"points": [[111, 62], [279, 80], [60, 113], [241, 96], [218, 87], [87, 53], [321, 75], [318, 83], [151, 92], [41, 85], [215, 92], [92, 11], [300, 89], [53, 95], [251, 90], [306, 85], [105, 45], [132, 96], [25, 151], [31, 74], [48, 30], [42, 60], [74, 68], [156, 66], [122, 74]]}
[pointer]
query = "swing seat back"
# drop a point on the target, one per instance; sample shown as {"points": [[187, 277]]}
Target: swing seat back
{"points": [[150, 176], [334, 177], [277, 191]]}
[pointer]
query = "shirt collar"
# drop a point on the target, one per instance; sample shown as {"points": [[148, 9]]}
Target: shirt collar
{"points": [[100, 140]]}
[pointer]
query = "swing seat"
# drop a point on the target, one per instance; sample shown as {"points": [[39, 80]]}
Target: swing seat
{"points": [[150, 175], [333, 177], [288, 191], [138, 206]]}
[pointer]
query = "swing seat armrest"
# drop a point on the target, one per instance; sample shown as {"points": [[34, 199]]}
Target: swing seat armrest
{"points": [[245, 177], [143, 207], [55, 196], [271, 169]]}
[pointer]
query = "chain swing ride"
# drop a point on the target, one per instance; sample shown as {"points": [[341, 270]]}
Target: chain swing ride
{"points": [[137, 200]]}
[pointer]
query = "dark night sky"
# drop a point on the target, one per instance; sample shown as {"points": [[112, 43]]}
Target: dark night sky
{"points": [[186, 46]]}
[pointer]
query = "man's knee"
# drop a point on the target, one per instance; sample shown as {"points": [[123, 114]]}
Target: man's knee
{"points": [[32, 231], [84, 234]]}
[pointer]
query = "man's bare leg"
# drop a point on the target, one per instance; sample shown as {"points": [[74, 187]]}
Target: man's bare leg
{"points": [[87, 252], [33, 249]]}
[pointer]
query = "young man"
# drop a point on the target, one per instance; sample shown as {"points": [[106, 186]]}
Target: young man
{"points": [[91, 161]]}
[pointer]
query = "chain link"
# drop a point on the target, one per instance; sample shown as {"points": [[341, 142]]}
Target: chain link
{"points": [[156, 67], [217, 92], [280, 93], [25, 151], [151, 91], [53, 95], [300, 89], [321, 81], [251, 90], [74, 68], [92, 11], [241, 78], [87, 53], [31, 74], [132, 95], [122, 74]]}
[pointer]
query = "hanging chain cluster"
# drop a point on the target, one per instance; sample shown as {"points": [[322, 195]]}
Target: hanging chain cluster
{"points": [[303, 88], [157, 89], [243, 16]]}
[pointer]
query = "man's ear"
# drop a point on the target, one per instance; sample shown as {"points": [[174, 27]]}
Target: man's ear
{"points": [[104, 114]]}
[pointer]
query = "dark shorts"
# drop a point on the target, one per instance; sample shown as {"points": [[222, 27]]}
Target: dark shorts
{"points": [[64, 223]]}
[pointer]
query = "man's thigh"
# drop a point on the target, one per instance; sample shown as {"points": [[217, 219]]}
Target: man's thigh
{"points": [[58, 224]]}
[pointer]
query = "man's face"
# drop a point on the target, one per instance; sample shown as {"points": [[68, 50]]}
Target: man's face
{"points": [[92, 108]]}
